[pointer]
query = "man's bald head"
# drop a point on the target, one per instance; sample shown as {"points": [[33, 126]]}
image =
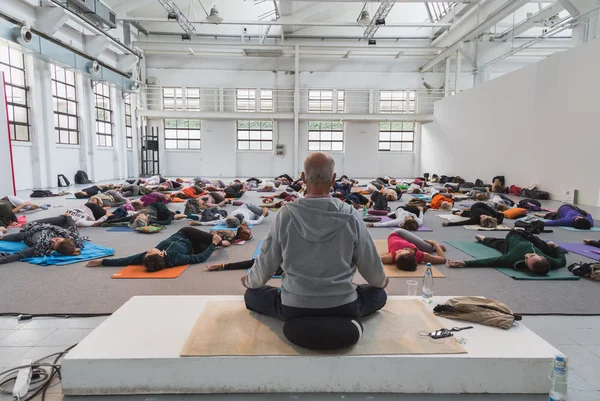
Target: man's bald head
{"points": [[318, 168]]}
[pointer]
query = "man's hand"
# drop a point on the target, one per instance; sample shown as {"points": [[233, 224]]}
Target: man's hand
{"points": [[216, 239], [244, 281], [94, 263], [445, 224], [456, 263], [552, 244]]}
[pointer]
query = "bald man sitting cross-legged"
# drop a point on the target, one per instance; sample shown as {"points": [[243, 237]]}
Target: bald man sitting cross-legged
{"points": [[319, 242]]}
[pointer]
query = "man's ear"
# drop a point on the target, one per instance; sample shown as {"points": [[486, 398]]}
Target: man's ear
{"points": [[333, 179], [303, 177]]}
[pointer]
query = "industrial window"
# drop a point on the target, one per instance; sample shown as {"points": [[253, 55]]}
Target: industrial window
{"points": [[104, 128], [173, 99], [12, 63], [128, 122], [182, 134], [326, 135], [64, 96], [245, 99], [402, 101], [266, 100], [255, 135], [438, 10], [322, 101], [396, 136]]}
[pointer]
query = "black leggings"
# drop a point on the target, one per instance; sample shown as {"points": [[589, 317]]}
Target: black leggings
{"points": [[595, 243], [200, 240], [411, 209], [60, 221], [244, 265], [497, 243], [287, 177]]}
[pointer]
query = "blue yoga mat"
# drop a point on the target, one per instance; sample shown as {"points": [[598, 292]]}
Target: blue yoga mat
{"points": [[224, 227], [576, 229], [121, 229], [91, 251], [12, 247]]}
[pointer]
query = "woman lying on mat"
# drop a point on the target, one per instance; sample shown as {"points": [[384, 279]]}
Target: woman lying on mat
{"points": [[521, 251], [441, 202], [480, 214], [570, 216], [592, 242], [248, 213], [190, 192], [93, 190], [407, 250], [44, 237], [477, 195], [151, 198], [88, 215], [7, 216], [110, 198], [187, 246], [21, 205], [404, 217], [154, 214], [285, 197]]}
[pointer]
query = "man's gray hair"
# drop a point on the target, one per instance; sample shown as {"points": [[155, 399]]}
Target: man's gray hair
{"points": [[321, 172]]}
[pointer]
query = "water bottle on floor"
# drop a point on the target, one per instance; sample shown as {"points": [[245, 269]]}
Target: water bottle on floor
{"points": [[559, 378], [428, 285]]}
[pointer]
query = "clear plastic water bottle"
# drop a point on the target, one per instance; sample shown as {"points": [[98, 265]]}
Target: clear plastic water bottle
{"points": [[428, 285], [560, 378], [364, 210]]}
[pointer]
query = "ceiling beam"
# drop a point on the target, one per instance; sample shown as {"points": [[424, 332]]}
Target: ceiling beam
{"points": [[531, 22], [490, 14], [128, 6], [50, 19], [571, 9], [283, 21]]}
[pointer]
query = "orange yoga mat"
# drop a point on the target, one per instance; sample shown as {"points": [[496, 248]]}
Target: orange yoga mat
{"points": [[139, 271]]}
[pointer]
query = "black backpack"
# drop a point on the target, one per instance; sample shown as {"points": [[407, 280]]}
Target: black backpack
{"points": [[81, 177], [380, 202], [40, 193], [532, 227], [479, 183], [63, 181]]}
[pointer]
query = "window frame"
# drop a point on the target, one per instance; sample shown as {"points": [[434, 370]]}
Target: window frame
{"points": [[56, 98], [179, 101], [335, 104], [128, 126], [263, 128], [185, 126], [249, 97], [391, 130], [107, 99], [321, 130], [269, 98], [406, 98], [11, 66]]}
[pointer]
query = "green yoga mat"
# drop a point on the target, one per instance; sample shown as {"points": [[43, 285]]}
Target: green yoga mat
{"points": [[583, 231], [480, 251]]}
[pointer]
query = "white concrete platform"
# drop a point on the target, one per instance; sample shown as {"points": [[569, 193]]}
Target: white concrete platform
{"points": [[136, 351]]}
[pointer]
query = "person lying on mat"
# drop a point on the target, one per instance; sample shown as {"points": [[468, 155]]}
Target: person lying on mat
{"points": [[155, 214], [190, 192], [477, 195], [44, 237], [151, 198], [235, 190], [21, 205], [187, 246], [285, 197], [110, 198], [7, 216], [213, 199], [570, 216], [404, 217], [407, 250], [247, 213], [480, 214], [319, 243], [93, 190], [441, 202], [88, 215], [345, 179], [521, 251]]}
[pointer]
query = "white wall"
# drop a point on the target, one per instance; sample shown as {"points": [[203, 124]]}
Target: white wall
{"points": [[535, 125]]}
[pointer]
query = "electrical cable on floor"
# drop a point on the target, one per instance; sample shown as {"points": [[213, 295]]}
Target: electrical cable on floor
{"points": [[40, 376], [29, 316]]}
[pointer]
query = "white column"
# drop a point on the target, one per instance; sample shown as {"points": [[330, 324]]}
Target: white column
{"points": [[296, 109], [458, 68], [88, 128], [135, 132], [447, 78]]}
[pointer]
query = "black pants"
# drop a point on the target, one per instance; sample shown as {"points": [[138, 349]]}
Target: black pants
{"points": [[234, 191], [200, 240], [245, 265], [60, 221], [254, 179], [267, 301], [287, 177], [595, 243], [496, 243]]}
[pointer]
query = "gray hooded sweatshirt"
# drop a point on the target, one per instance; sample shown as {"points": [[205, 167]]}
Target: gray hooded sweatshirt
{"points": [[319, 243]]}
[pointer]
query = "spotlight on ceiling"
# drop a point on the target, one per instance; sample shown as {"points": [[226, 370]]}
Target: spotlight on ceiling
{"points": [[186, 36], [372, 42], [172, 16], [214, 16], [364, 18], [380, 21]]}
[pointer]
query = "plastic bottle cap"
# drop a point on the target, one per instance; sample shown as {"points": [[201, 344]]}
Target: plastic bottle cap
{"points": [[560, 358]]}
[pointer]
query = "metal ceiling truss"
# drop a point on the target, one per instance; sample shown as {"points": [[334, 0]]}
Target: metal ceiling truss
{"points": [[384, 9], [183, 21]]}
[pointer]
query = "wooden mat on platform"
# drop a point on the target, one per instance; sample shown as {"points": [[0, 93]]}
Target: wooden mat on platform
{"points": [[227, 328], [393, 272]]}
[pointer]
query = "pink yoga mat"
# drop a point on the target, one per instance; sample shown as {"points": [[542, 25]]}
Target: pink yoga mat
{"points": [[581, 249]]}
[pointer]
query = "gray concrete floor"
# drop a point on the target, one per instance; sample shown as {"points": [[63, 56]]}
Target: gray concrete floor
{"points": [[575, 336]]}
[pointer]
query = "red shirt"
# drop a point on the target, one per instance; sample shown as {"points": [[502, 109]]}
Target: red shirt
{"points": [[397, 243]]}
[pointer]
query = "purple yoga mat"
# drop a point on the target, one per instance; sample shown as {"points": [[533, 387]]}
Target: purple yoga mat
{"points": [[581, 249]]}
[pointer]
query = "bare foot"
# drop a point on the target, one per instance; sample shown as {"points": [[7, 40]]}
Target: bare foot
{"points": [[225, 243], [479, 238], [194, 223], [587, 241], [213, 268]]}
